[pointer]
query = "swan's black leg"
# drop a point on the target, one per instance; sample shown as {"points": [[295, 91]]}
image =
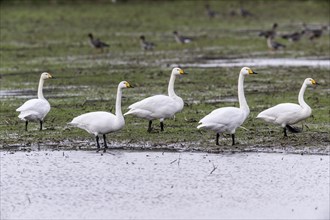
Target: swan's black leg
{"points": [[40, 125], [26, 124], [217, 139], [162, 126], [97, 143], [284, 130], [233, 138], [149, 127], [105, 143]]}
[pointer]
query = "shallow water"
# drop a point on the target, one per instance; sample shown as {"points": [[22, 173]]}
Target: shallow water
{"points": [[284, 62], [156, 185]]}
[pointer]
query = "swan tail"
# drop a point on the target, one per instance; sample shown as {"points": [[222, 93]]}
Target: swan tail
{"points": [[293, 129], [82, 126], [28, 115], [127, 113], [22, 117], [199, 126]]}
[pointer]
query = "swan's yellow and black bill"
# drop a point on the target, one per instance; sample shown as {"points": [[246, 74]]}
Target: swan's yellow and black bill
{"points": [[182, 72], [252, 72], [50, 76], [128, 85], [314, 82]]}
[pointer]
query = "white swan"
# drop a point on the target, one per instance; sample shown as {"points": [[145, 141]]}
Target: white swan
{"points": [[287, 114], [100, 122], [227, 119], [35, 109], [159, 106]]}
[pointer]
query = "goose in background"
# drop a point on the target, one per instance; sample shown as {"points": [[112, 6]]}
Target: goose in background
{"points": [[102, 123], [146, 45], [228, 119], [273, 45], [209, 12], [269, 33], [96, 43], [313, 33], [181, 39], [36, 109], [287, 114], [245, 13], [293, 37]]}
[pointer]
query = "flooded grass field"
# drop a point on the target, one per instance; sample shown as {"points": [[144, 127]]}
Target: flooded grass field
{"points": [[179, 173], [163, 185], [53, 37]]}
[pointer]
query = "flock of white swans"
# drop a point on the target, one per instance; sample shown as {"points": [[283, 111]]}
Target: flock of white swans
{"points": [[221, 120]]}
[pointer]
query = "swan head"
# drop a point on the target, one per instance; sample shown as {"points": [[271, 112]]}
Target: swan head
{"points": [[46, 75], [178, 71], [247, 71], [125, 84], [310, 81]]}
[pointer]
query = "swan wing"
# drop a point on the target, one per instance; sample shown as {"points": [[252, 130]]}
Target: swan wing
{"points": [[34, 109], [158, 106], [285, 113], [98, 122], [223, 119]]}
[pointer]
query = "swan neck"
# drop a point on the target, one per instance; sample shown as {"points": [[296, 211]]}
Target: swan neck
{"points": [[41, 85], [118, 103], [171, 92], [241, 97], [301, 100]]}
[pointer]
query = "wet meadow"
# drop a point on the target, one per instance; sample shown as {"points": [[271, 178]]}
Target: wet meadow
{"points": [[38, 36]]}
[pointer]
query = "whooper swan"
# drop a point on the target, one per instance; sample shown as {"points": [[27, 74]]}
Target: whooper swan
{"points": [[159, 106], [35, 109], [287, 114], [227, 119], [102, 123]]}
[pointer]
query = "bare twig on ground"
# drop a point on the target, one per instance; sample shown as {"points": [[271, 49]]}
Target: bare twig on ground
{"points": [[214, 168]]}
